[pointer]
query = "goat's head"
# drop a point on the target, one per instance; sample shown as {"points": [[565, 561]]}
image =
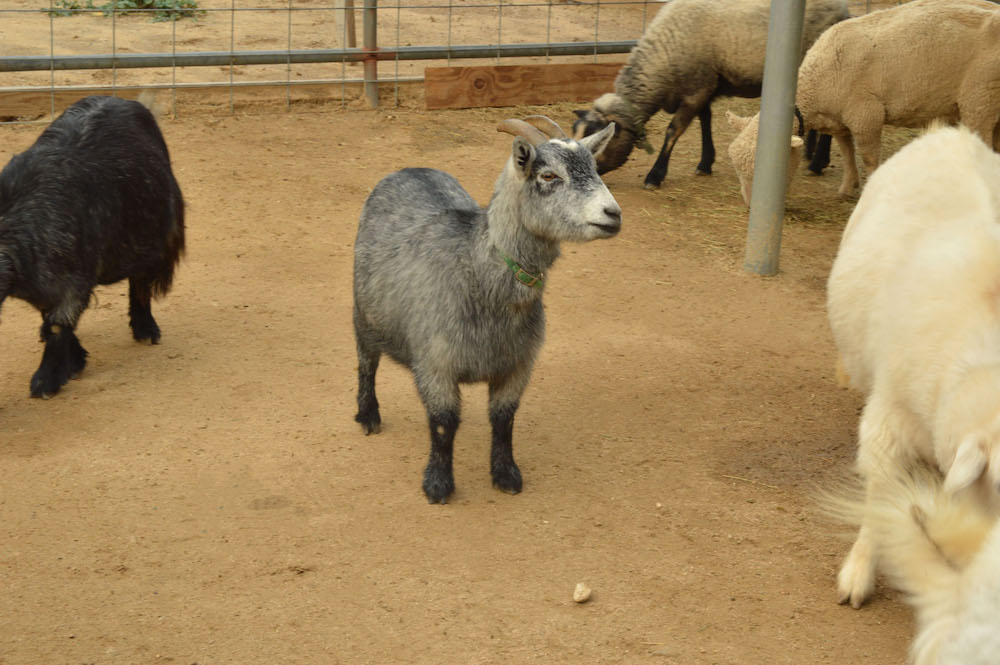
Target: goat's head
{"points": [[562, 197], [608, 110]]}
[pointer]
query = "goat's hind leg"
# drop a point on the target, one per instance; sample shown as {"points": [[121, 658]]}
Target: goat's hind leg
{"points": [[140, 313], [368, 358], [63, 358]]}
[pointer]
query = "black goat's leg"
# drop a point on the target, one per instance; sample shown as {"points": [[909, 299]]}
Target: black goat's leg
{"points": [[678, 124], [707, 146], [63, 358], [140, 314], [441, 399], [505, 396]]}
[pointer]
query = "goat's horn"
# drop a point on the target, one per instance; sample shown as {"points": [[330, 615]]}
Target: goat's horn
{"points": [[520, 128], [547, 125]]}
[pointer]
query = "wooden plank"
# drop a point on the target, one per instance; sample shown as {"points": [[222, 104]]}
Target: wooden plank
{"points": [[37, 104], [512, 85]]}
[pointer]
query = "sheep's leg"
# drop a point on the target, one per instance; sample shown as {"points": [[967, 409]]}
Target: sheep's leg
{"points": [[685, 114], [63, 359], [369, 355], [870, 146], [707, 146], [140, 315], [851, 178], [819, 155], [441, 399], [505, 396]]}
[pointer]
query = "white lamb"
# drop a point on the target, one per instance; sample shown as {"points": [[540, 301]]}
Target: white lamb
{"points": [[743, 150], [943, 551], [905, 66], [914, 304]]}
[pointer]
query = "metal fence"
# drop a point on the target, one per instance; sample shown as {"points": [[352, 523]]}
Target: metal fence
{"points": [[53, 50]]}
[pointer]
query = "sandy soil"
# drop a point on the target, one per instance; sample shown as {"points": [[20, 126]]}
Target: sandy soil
{"points": [[210, 499]]}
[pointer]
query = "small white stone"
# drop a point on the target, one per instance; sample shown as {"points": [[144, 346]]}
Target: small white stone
{"points": [[581, 593], [659, 505]]}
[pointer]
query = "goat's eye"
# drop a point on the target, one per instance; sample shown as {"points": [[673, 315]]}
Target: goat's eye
{"points": [[549, 177]]}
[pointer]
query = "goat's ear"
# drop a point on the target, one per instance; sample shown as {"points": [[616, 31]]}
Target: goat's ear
{"points": [[969, 464], [523, 154], [597, 142]]}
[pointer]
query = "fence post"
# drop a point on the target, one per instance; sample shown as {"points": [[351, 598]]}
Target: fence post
{"points": [[370, 21], [777, 106]]}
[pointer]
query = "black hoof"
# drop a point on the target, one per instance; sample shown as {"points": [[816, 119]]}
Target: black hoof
{"points": [[650, 185], [371, 422], [146, 330], [812, 171], [438, 485], [507, 478], [701, 170], [47, 382]]}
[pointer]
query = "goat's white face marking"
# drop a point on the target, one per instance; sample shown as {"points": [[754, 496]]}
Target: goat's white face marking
{"points": [[567, 199]]}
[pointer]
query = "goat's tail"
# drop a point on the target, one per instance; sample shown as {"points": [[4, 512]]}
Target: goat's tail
{"points": [[925, 539]]}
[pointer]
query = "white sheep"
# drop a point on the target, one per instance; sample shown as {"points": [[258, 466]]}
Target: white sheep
{"points": [[692, 52], [905, 66], [914, 305], [943, 551]]}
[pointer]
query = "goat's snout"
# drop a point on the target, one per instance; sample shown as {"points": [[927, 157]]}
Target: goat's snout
{"points": [[612, 222]]}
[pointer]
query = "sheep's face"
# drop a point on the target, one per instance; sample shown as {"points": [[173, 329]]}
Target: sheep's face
{"points": [[562, 196], [616, 153]]}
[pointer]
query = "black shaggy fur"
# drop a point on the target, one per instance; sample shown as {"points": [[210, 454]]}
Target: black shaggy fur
{"points": [[92, 201]]}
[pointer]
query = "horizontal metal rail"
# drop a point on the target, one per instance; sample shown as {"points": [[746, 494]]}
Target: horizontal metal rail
{"points": [[32, 63]]}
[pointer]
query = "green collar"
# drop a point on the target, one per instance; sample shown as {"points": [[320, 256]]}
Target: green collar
{"points": [[520, 274], [640, 130]]}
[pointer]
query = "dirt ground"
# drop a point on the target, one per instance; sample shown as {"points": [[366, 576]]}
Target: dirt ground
{"points": [[210, 500]]}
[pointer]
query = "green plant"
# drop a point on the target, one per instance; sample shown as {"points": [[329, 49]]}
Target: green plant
{"points": [[166, 10]]}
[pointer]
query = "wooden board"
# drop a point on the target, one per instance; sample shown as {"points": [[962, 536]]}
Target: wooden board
{"points": [[512, 85]]}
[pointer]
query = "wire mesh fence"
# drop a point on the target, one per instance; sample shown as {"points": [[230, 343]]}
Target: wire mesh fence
{"points": [[223, 54]]}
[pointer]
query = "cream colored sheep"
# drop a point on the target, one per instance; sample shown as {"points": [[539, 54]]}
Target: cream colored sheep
{"points": [[914, 305], [743, 149], [943, 551], [692, 52], [904, 66]]}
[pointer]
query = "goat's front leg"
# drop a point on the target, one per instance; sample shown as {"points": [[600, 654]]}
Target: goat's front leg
{"points": [[505, 396], [441, 399], [63, 359], [678, 124]]}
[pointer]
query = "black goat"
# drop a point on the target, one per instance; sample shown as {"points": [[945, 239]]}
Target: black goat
{"points": [[92, 201]]}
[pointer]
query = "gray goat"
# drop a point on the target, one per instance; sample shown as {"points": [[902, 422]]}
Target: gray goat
{"points": [[454, 291]]}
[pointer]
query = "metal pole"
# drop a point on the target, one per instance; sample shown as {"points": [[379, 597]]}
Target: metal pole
{"points": [[777, 106], [31, 63], [352, 35], [370, 21]]}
